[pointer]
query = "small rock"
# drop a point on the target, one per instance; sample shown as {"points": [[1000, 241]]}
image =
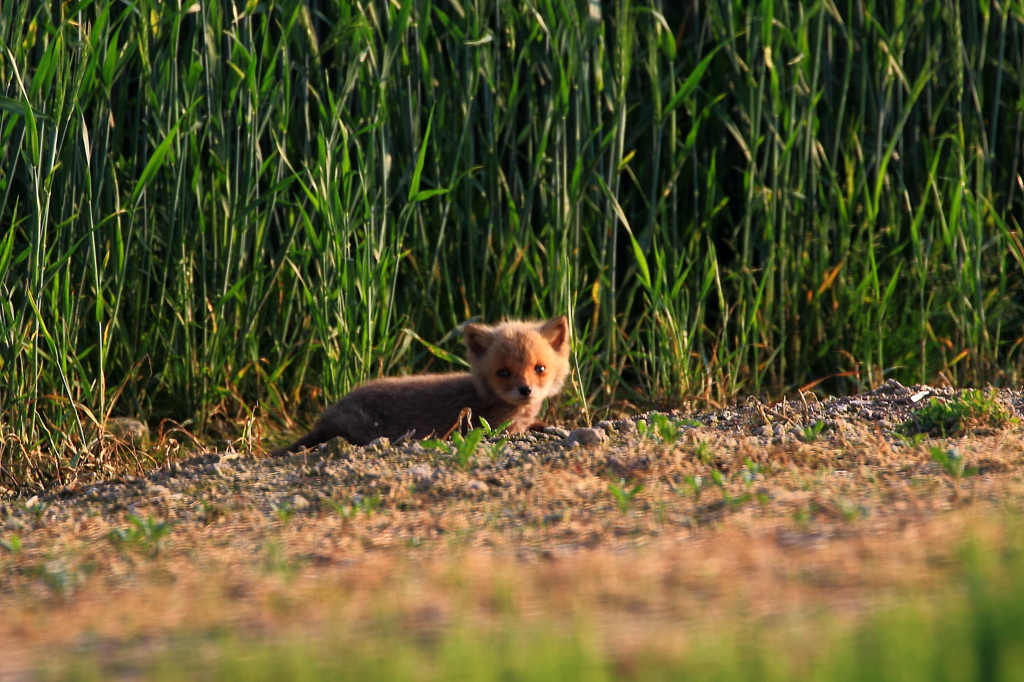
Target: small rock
{"points": [[476, 487], [130, 430], [421, 473], [893, 388], [606, 425], [587, 436], [835, 424], [381, 443], [299, 503], [555, 431], [762, 431], [778, 431], [626, 426]]}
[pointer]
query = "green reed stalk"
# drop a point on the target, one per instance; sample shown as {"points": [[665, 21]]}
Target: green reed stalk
{"points": [[210, 205]]}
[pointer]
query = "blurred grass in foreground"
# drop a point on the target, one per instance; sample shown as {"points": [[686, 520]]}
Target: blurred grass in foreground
{"points": [[974, 630], [207, 205]]}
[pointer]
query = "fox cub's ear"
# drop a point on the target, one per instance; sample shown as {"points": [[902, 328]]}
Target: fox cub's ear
{"points": [[556, 331], [477, 338]]}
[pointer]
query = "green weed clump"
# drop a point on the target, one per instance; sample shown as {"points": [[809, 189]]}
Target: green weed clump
{"points": [[623, 494], [952, 462], [206, 207], [143, 534], [972, 409]]}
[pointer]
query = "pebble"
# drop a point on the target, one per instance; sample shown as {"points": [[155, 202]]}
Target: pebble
{"points": [[835, 424], [133, 431], [477, 487], [299, 502], [587, 436], [421, 473], [626, 426], [555, 431], [606, 425], [379, 443]]}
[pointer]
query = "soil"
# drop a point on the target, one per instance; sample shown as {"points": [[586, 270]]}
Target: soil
{"points": [[753, 504]]}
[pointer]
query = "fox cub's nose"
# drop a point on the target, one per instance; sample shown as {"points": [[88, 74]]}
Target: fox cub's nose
{"points": [[525, 391]]}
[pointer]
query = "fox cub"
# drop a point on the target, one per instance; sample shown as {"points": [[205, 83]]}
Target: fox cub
{"points": [[514, 366]]}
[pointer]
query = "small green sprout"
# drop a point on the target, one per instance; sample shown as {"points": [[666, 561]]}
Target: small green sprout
{"points": [[147, 534], [695, 484], [12, 544], [465, 446], [850, 511], [751, 471], [345, 511], [495, 449], [703, 452], [668, 430], [911, 441], [952, 462], [283, 512], [624, 498], [733, 503], [495, 431], [370, 503], [812, 432], [366, 504]]}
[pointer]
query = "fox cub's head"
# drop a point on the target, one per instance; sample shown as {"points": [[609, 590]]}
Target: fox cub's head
{"points": [[522, 362]]}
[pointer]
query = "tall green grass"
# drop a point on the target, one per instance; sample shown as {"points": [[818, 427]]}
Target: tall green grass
{"points": [[207, 205]]}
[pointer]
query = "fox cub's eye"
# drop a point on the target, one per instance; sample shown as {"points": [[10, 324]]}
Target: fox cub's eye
{"points": [[504, 373], [539, 369]]}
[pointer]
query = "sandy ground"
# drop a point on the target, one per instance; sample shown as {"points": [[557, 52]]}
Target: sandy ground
{"points": [[646, 536]]}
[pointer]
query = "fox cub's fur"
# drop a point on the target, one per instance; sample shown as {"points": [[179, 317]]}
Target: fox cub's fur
{"points": [[514, 366]]}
